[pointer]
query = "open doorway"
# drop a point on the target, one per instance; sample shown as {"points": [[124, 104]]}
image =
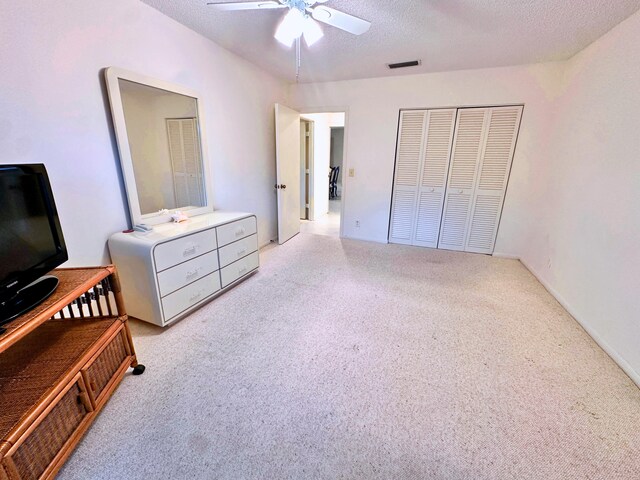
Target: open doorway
{"points": [[321, 172]]}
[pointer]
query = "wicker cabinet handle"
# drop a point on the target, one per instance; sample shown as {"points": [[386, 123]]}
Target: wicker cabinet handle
{"points": [[92, 386], [83, 398]]}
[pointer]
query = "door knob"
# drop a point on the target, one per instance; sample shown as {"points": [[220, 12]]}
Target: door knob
{"points": [[283, 186], [277, 187]]}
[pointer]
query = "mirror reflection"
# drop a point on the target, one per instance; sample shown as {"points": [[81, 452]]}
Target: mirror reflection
{"points": [[164, 139]]}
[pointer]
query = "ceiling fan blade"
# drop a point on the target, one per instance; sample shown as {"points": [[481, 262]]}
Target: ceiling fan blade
{"points": [[264, 5], [341, 20]]}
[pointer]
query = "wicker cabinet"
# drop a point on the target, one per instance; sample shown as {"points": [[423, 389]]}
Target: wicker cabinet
{"points": [[59, 363]]}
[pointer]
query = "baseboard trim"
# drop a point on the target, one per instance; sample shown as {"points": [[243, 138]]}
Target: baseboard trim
{"points": [[362, 239], [615, 356], [506, 255]]}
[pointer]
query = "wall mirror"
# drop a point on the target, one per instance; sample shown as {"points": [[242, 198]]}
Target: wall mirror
{"points": [[162, 151]]}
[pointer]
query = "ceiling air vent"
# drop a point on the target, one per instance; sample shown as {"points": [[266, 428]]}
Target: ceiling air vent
{"points": [[413, 63]]}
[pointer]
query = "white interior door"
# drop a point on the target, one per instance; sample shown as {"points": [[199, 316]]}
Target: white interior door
{"points": [[287, 172]]}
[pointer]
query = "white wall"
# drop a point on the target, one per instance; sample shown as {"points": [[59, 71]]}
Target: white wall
{"points": [[584, 238], [373, 107], [53, 109], [571, 211]]}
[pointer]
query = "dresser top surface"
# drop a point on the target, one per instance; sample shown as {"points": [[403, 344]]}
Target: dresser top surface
{"points": [[167, 231]]}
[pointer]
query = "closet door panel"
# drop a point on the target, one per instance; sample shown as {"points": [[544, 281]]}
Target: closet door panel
{"points": [[405, 185], [433, 179], [465, 157], [503, 125]]}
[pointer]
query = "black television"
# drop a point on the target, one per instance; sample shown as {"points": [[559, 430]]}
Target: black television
{"points": [[31, 241]]}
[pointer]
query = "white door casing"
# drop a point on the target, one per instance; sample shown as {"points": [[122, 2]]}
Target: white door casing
{"points": [[287, 172]]}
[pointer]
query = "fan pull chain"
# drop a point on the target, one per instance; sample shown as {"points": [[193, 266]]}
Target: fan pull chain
{"points": [[298, 59]]}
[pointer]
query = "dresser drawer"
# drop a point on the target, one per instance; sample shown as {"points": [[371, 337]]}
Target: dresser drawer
{"points": [[235, 231], [236, 250], [177, 277], [190, 295], [238, 269], [182, 249]]}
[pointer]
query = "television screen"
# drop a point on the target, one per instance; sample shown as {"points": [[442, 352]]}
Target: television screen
{"points": [[31, 241], [26, 234]]}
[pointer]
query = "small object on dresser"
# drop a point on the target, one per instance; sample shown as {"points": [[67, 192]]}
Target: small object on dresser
{"points": [[178, 217]]}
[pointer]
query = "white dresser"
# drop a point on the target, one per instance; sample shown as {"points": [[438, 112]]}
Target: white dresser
{"points": [[176, 268]]}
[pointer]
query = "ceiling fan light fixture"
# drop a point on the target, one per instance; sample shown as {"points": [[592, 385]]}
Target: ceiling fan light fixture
{"points": [[311, 31], [291, 27]]}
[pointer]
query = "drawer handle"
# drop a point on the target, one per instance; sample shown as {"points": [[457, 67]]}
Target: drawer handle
{"points": [[192, 274], [242, 252], [92, 386], [240, 231], [242, 270], [192, 250], [84, 400], [195, 297]]}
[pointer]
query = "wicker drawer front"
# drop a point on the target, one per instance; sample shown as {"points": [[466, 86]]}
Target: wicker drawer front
{"points": [[35, 452], [107, 364]]}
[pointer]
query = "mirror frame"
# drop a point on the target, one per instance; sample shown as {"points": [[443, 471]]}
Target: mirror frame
{"points": [[113, 75]]}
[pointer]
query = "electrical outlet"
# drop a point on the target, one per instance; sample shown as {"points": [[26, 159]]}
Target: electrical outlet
{"points": [[357, 223], [352, 172]]}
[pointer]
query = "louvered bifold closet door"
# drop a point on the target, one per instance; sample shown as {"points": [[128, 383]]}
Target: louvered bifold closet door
{"points": [[405, 182], [467, 148], [495, 164], [184, 148], [433, 176]]}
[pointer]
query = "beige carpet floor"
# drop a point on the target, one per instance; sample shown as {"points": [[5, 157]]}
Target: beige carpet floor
{"points": [[353, 360]]}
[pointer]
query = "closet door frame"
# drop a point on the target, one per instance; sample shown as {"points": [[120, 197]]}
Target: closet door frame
{"points": [[472, 202]]}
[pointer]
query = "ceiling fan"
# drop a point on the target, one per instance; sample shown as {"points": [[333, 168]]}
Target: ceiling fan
{"points": [[300, 20]]}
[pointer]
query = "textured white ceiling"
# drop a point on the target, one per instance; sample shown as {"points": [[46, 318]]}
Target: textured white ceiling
{"points": [[444, 34]]}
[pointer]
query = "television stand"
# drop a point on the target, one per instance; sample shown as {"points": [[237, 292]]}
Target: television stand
{"points": [[25, 299], [59, 364]]}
